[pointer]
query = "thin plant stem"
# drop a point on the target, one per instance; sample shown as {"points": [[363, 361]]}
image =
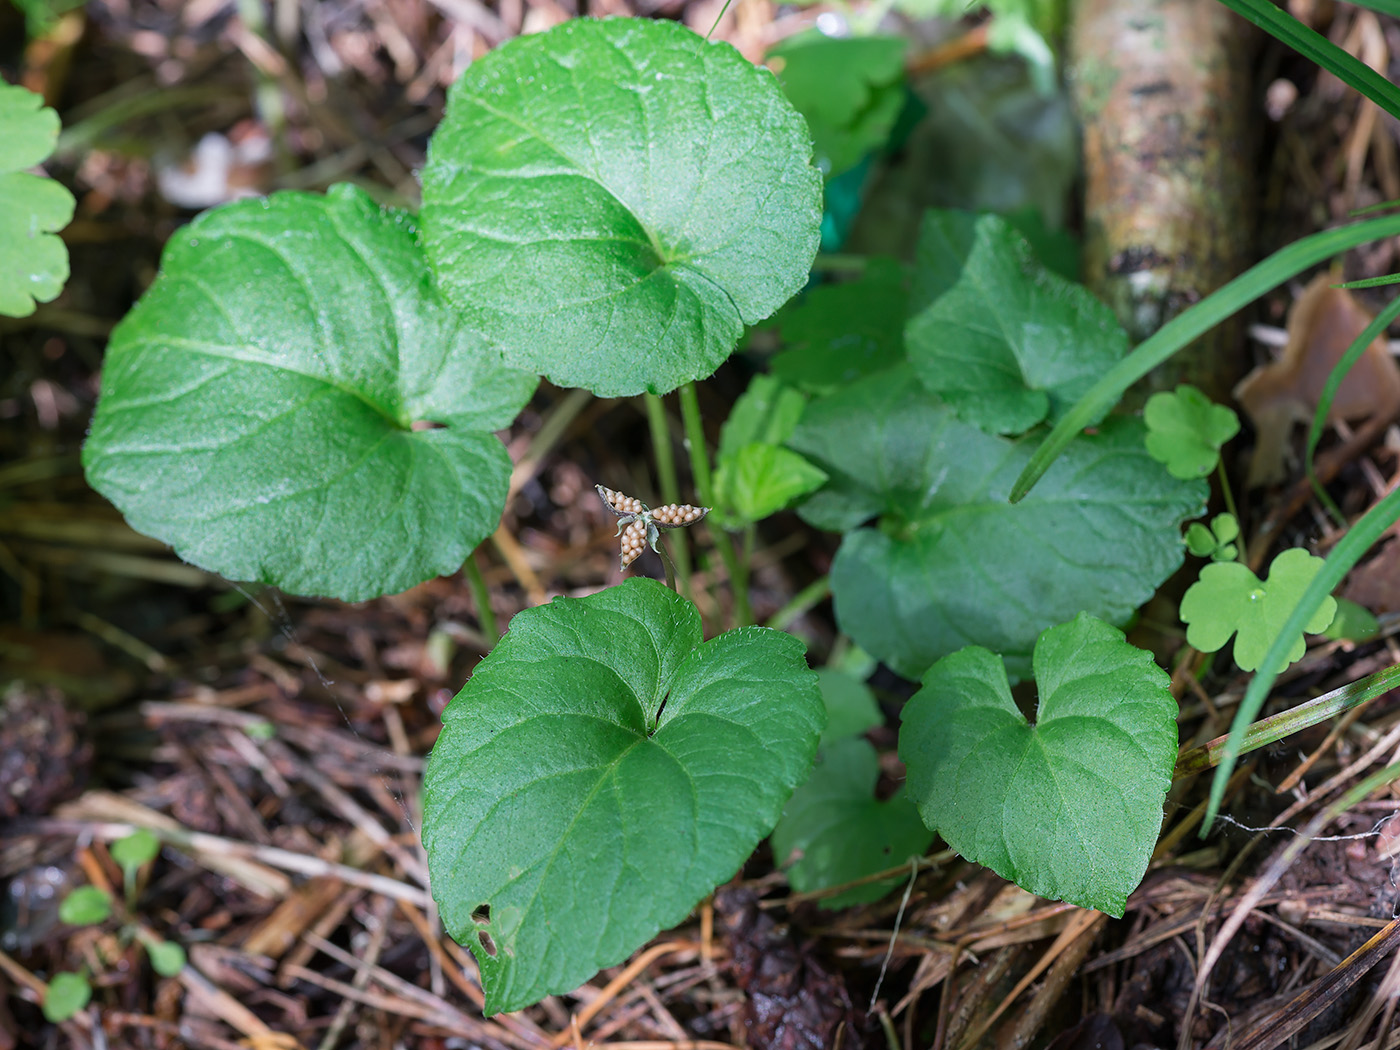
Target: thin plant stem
{"points": [[800, 604], [481, 598], [704, 487], [670, 486], [1229, 498]]}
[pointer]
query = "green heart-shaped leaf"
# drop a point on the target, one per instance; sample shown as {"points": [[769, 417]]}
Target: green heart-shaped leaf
{"points": [[600, 773], [850, 90], [259, 403], [612, 201], [951, 562], [1069, 808], [999, 337], [840, 832], [33, 261]]}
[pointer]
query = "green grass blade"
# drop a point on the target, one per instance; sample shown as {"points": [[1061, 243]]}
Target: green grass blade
{"points": [[1310, 44], [1347, 553], [1385, 7], [1187, 326], [1329, 392], [1373, 282]]}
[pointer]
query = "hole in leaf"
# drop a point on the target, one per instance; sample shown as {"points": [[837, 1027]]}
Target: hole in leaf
{"points": [[426, 424], [482, 914], [486, 942]]}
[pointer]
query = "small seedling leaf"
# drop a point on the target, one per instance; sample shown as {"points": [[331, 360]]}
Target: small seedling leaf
{"points": [[760, 480], [850, 90], [1216, 541], [837, 333], [612, 201], [1228, 599], [1185, 431], [33, 260], [1353, 622], [754, 476], [840, 832], [258, 404], [1070, 807], [950, 561], [138, 848], [1000, 338], [600, 773], [850, 706], [68, 993], [85, 906], [167, 957]]}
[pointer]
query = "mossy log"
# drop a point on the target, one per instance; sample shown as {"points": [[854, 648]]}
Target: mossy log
{"points": [[1164, 94]]}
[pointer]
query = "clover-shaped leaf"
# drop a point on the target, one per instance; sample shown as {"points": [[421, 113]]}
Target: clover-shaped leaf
{"points": [[1185, 430], [1000, 338], [839, 832], [600, 773], [849, 89], [612, 201], [950, 562], [33, 261], [1228, 600], [837, 333], [1352, 622], [1069, 807], [291, 402], [1217, 541]]}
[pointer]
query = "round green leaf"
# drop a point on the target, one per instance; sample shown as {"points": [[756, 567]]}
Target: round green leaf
{"points": [[1228, 599], [840, 832], [612, 201], [85, 906], [33, 262], [600, 773], [68, 993], [259, 403], [951, 562], [1068, 808], [131, 851], [167, 957]]}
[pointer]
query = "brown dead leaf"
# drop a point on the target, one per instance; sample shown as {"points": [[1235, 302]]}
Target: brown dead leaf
{"points": [[1322, 324]]}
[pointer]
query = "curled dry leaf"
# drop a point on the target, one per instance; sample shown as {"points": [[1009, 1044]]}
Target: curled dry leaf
{"points": [[1323, 323]]}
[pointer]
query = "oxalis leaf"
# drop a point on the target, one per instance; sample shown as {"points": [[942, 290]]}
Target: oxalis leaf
{"points": [[600, 773], [839, 832], [612, 201], [258, 404], [950, 562], [1003, 340], [1229, 599], [1185, 430], [33, 261], [1068, 808]]}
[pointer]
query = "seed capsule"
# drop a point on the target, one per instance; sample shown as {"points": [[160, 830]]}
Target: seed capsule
{"points": [[677, 515]]}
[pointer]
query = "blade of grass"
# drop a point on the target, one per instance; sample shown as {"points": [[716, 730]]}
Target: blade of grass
{"points": [[1344, 555], [1329, 392], [1310, 44], [1276, 727], [1188, 325]]}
